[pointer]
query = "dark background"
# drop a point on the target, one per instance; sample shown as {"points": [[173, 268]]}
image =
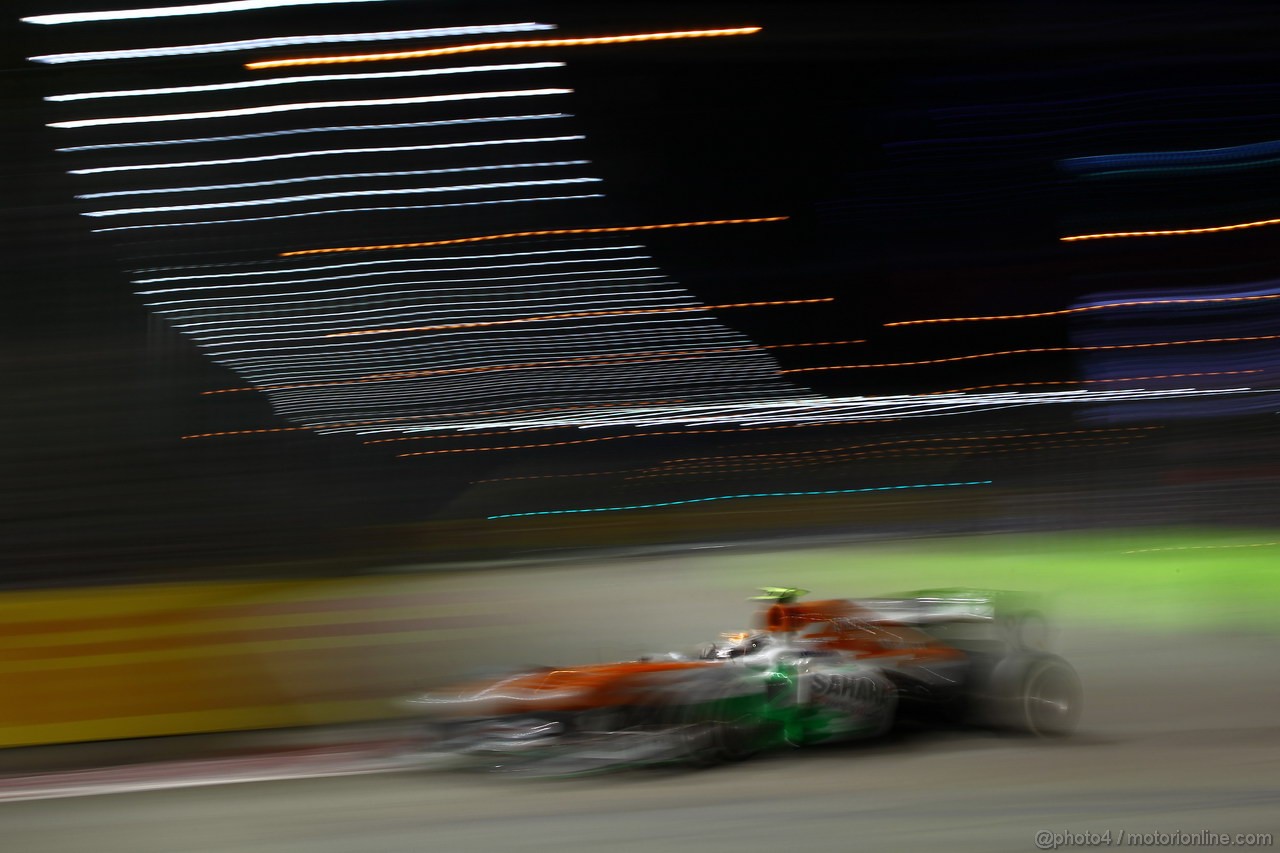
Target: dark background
{"points": [[914, 146]]}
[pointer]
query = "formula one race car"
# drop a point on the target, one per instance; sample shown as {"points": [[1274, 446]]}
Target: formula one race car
{"points": [[812, 672]]}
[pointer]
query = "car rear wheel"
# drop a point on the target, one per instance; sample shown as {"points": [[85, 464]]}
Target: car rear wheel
{"points": [[1035, 694]]}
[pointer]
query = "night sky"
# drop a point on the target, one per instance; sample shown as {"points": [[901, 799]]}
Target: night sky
{"points": [[918, 150]]}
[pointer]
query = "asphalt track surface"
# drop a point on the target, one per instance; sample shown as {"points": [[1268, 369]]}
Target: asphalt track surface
{"points": [[1181, 734]]}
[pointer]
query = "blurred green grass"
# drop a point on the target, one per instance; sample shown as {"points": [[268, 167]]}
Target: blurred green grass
{"points": [[1164, 579]]}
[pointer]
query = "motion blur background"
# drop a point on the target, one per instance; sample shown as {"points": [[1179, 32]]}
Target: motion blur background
{"points": [[929, 158], [1092, 415]]}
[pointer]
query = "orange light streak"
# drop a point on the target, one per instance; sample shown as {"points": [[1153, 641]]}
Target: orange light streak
{"points": [[1064, 311], [500, 45], [1098, 347], [1239, 226], [1097, 381], [555, 232]]}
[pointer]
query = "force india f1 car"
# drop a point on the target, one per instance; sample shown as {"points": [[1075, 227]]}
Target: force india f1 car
{"points": [[811, 672]]}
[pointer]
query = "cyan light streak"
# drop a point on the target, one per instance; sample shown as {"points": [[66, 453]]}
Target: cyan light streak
{"points": [[742, 497]]}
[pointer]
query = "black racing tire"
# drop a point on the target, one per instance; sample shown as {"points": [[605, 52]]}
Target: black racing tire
{"points": [[1032, 694]]}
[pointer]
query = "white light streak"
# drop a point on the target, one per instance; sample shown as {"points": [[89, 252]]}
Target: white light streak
{"points": [[435, 283], [310, 78], [468, 348], [406, 301], [811, 410], [283, 41], [324, 267], [326, 152], [334, 177], [308, 105], [371, 344], [176, 11], [344, 128], [375, 273], [295, 199], [348, 210], [648, 332], [443, 312]]}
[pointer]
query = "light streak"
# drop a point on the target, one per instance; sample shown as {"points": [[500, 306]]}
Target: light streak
{"points": [[965, 450], [799, 414], [283, 41], [597, 440], [1157, 159], [444, 299], [329, 152], [343, 176], [517, 234], [693, 464], [1203, 547], [376, 421], [567, 361], [308, 363], [442, 308], [418, 341], [176, 11], [307, 105], [1096, 348], [517, 283], [1098, 381], [1215, 229], [502, 45], [706, 418], [576, 314], [379, 273], [326, 267], [295, 199], [345, 210], [293, 81], [743, 496], [1136, 303], [344, 128]]}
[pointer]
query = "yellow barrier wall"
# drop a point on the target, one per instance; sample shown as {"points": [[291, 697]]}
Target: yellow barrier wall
{"points": [[136, 661]]}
